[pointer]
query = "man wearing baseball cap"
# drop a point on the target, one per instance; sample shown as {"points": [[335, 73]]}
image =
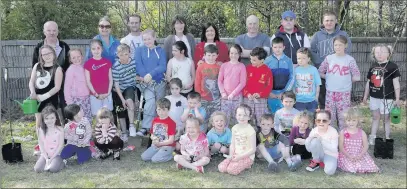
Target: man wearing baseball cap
{"points": [[293, 37]]}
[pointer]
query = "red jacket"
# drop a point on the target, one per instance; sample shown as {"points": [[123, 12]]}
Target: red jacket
{"points": [[223, 52], [259, 80]]}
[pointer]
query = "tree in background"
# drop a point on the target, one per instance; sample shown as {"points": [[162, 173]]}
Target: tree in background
{"points": [[76, 19]]}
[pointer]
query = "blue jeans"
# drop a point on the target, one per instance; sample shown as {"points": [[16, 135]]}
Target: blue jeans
{"points": [[274, 153], [310, 106], [315, 147], [151, 93], [157, 155]]}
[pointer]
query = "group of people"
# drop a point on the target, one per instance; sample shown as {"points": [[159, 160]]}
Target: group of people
{"points": [[258, 98]]}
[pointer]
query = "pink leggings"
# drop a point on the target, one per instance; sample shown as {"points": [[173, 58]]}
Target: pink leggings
{"points": [[337, 103], [235, 167]]}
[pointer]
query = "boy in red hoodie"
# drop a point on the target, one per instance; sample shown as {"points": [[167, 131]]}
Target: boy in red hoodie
{"points": [[259, 83]]}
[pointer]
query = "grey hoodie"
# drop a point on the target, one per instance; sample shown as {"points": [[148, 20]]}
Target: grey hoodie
{"points": [[322, 44]]}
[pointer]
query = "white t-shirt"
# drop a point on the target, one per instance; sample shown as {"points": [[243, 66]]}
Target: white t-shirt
{"points": [[339, 71], [178, 104], [133, 42], [185, 40], [182, 70]]}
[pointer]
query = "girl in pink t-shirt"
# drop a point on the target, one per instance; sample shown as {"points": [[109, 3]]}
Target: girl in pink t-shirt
{"points": [[194, 148], [98, 73], [51, 141], [75, 89], [231, 81]]}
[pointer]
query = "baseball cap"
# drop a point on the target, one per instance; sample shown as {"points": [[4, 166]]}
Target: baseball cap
{"points": [[288, 14]]}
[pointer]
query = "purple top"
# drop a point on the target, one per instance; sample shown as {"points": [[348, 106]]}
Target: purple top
{"points": [[295, 133]]}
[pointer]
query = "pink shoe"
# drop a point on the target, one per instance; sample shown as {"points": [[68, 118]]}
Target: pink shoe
{"points": [[200, 169], [179, 166], [37, 151]]}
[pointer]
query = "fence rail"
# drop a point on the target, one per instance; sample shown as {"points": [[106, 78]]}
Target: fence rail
{"points": [[16, 57]]}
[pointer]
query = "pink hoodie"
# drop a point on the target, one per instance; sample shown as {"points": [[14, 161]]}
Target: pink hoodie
{"points": [[75, 83]]}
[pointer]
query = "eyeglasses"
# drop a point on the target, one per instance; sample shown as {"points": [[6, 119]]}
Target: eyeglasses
{"points": [[321, 120], [105, 26]]}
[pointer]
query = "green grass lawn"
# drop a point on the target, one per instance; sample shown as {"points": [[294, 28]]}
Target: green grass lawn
{"points": [[131, 171]]}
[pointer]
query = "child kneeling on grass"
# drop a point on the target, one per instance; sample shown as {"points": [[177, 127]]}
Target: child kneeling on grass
{"points": [[162, 131], [78, 133], [194, 148]]}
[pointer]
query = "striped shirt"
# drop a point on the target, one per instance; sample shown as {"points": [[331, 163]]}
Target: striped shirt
{"points": [[125, 74], [111, 133]]}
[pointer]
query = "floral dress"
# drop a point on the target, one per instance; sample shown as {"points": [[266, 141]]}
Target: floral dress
{"points": [[353, 145]]}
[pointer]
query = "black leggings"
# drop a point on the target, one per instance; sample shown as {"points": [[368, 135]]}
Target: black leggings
{"points": [[301, 150], [116, 144]]}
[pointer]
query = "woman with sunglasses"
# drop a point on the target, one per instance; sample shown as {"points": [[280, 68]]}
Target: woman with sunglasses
{"points": [[109, 42], [322, 142]]}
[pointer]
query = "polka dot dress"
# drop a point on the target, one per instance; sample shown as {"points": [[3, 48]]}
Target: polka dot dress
{"points": [[353, 145]]}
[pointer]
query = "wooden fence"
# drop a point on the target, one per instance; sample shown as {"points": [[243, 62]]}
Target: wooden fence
{"points": [[16, 56]]}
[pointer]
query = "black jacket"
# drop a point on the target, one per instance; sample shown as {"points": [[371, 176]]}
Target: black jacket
{"points": [[63, 59], [292, 42]]}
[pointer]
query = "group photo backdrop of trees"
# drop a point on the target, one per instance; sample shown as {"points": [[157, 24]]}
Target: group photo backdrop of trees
{"points": [[78, 19]]}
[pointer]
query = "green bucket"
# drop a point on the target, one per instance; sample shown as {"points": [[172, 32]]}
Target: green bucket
{"points": [[395, 115]]}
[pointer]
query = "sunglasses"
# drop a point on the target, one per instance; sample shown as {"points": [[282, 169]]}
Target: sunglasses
{"points": [[105, 26], [321, 121]]}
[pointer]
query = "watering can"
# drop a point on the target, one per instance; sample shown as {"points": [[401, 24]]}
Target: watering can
{"points": [[29, 106], [395, 115]]}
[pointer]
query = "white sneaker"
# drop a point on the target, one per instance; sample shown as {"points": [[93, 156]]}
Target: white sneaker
{"points": [[372, 139], [132, 130]]}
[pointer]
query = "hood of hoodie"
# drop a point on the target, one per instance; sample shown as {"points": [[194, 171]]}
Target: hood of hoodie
{"points": [[151, 52], [282, 31]]}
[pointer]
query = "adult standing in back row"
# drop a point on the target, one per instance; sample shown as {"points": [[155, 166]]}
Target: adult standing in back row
{"points": [[180, 33], [133, 39], [293, 37], [61, 49], [252, 39], [322, 46]]}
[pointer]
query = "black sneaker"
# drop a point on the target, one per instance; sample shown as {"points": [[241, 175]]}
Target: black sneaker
{"points": [[142, 132], [116, 155], [312, 166], [105, 155]]}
